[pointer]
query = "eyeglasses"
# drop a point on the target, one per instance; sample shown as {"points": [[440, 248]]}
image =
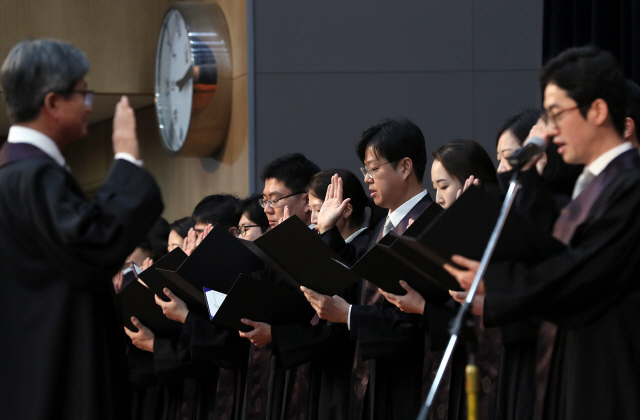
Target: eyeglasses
{"points": [[274, 202], [242, 230], [87, 94], [551, 119], [372, 171]]}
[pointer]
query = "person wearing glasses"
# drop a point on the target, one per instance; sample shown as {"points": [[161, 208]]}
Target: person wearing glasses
{"points": [[326, 345], [271, 389], [62, 350], [591, 290], [285, 182], [390, 356], [253, 220]]}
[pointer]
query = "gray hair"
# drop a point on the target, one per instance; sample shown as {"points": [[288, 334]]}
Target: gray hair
{"points": [[36, 67]]}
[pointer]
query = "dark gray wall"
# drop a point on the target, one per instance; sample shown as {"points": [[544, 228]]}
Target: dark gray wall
{"points": [[326, 70]]}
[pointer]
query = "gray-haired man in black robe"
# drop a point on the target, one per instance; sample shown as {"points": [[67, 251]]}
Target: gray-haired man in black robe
{"points": [[62, 349]]}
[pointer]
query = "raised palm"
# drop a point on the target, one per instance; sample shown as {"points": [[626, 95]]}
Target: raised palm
{"points": [[333, 206]]}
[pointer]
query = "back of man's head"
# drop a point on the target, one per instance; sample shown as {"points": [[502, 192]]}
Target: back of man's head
{"points": [[217, 209], [294, 171], [34, 68], [395, 139], [587, 74]]}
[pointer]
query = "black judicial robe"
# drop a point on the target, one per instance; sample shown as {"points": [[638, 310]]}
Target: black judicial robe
{"points": [[388, 371], [329, 349], [592, 293], [273, 391], [63, 352], [527, 344]]}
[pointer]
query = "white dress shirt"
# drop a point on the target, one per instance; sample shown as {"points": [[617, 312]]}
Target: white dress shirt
{"points": [[20, 134], [396, 217]]}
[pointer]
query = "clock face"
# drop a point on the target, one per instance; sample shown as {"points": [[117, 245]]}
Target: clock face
{"points": [[174, 81]]}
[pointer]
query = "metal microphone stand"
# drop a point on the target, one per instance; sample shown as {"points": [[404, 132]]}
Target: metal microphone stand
{"points": [[465, 310]]}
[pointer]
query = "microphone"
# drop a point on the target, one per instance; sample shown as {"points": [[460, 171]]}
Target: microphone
{"points": [[534, 147]]}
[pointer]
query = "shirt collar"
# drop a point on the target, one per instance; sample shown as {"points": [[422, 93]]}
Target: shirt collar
{"points": [[20, 134], [355, 234], [399, 214], [604, 159]]}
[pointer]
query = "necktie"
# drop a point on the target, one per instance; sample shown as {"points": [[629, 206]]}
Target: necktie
{"points": [[584, 179], [388, 226]]}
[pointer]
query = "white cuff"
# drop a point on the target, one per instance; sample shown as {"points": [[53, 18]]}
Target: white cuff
{"points": [[349, 318], [129, 157]]}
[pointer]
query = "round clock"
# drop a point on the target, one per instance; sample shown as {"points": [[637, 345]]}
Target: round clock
{"points": [[193, 79]]}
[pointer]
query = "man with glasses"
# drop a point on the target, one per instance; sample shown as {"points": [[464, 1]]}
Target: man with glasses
{"points": [[590, 291], [285, 194], [285, 186], [389, 357], [62, 349]]}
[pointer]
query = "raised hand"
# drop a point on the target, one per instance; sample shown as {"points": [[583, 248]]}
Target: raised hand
{"points": [[333, 206], [189, 242], [285, 214], [205, 232], [411, 303], [124, 136], [470, 181]]}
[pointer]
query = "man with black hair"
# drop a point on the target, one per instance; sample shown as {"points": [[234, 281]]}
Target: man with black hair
{"points": [[632, 122], [285, 185], [267, 393], [216, 209], [388, 367], [62, 350], [591, 290]]}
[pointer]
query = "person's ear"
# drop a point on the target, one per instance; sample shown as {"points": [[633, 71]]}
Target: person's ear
{"points": [[405, 166], [347, 211], [629, 127], [598, 112], [51, 102], [233, 230], [307, 208]]}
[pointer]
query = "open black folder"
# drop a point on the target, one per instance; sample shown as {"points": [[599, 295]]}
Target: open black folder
{"points": [[465, 229], [162, 274], [298, 254], [258, 301], [383, 266], [214, 264], [136, 300]]}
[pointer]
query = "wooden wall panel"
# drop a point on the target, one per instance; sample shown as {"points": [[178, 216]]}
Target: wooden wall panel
{"points": [[184, 181]]}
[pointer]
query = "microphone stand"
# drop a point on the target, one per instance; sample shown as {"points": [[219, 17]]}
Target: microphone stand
{"points": [[461, 321]]}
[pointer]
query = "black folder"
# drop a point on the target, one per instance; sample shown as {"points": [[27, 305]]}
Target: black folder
{"points": [[214, 264], [162, 274], [136, 300], [384, 265], [260, 301], [298, 254], [218, 260], [465, 229]]}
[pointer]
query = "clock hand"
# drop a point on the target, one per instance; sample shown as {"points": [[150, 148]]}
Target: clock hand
{"points": [[188, 75]]}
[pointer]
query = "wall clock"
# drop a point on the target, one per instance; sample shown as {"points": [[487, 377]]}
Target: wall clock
{"points": [[193, 79]]}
